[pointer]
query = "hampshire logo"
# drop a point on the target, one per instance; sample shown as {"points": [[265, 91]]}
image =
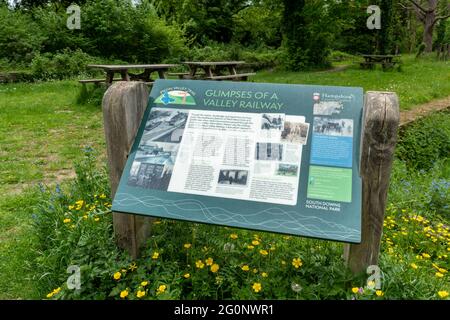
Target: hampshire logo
{"points": [[181, 96]]}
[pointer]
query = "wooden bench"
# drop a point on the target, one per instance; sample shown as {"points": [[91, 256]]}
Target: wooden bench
{"points": [[239, 76], [96, 81], [388, 62]]}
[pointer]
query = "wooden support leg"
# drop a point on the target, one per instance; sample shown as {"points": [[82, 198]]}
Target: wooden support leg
{"points": [[380, 124], [124, 105]]}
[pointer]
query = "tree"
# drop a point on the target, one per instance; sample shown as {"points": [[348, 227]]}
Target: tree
{"points": [[202, 20], [429, 15], [386, 32]]}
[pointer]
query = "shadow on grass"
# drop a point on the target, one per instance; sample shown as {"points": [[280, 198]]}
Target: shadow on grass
{"points": [[90, 95]]}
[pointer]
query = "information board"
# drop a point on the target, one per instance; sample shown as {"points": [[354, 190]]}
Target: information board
{"points": [[270, 157]]}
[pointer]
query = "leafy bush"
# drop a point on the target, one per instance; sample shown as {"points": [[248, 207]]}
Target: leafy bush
{"points": [[425, 141], [337, 55], [20, 36], [61, 65], [116, 29], [256, 58]]}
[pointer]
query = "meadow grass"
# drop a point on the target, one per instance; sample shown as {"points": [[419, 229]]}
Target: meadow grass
{"points": [[419, 81]]}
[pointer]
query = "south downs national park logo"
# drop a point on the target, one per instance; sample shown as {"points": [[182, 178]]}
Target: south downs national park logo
{"points": [[178, 96]]}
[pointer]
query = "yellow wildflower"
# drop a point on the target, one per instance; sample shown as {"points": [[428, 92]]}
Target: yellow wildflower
{"points": [[264, 275], [379, 293], [155, 255], [97, 219], [371, 284], [297, 263], [355, 290], [250, 247], [426, 255], [209, 261], [257, 287], [71, 207], [233, 236], [255, 242], [187, 245], [140, 294], [245, 267], [443, 294], [124, 294], [161, 289], [413, 265], [214, 268], [199, 264], [439, 275], [117, 275], [144, 283], [255, 270], [67, 220], [102, 196], [187, 275], [442, 270], [50, 295]]}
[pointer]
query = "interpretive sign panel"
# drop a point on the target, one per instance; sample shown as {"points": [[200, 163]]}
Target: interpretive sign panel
{"points": [[271, 157]]}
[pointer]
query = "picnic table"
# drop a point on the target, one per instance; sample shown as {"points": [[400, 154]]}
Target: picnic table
{"points": [[387, 61], [213, 71], [125, 75]]}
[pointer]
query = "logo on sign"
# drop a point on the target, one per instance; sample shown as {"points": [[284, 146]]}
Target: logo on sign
{"points": [[181, 96], [316, 97]]}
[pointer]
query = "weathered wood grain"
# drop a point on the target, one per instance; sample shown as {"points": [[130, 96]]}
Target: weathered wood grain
{"points": [[379, 137], [124, 104]]}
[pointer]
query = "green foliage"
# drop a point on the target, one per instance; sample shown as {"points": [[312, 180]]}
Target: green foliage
{"points": [[71, 231], [61, 65], [337, 55], [258, 25], [421, 50], [257, 58], [117, 29], [425, 141], [20, 36], [203, 21], [307, 31]]}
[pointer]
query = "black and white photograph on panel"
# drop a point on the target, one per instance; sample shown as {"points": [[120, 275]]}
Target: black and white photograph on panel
{"points": [[295, 132], [153, 165], [165, 125], [233, 177], [271, 121], [269, 151], [333, 127]]}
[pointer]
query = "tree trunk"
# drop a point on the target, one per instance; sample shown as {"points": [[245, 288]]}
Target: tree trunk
{"points": [[430, 17]]}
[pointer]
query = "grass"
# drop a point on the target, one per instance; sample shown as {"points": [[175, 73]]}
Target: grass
{"points": [[43, 129], [420, 80]]}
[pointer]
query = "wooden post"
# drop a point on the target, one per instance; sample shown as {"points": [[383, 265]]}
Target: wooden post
{"points": [[380, 123], [124, 104]]}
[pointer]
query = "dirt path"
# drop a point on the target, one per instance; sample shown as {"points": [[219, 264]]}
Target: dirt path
{"points": [[423, 110]]}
